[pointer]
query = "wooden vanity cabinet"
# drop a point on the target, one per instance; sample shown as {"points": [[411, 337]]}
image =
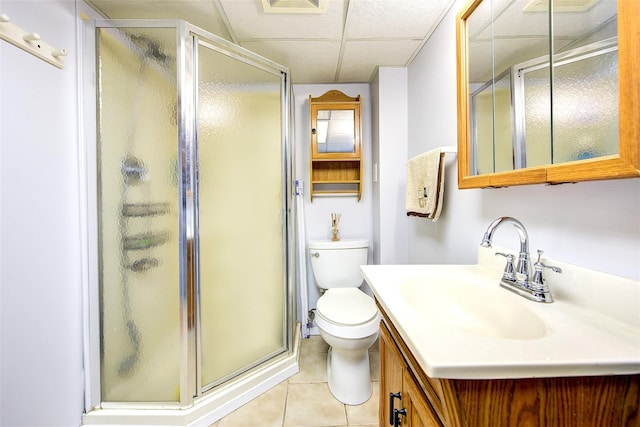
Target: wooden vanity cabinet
{"points": [[420, 413], [599, 401], [392, 368], [397, 379]]}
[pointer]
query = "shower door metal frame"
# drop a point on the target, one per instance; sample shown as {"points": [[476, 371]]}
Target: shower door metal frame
{"points": [[187, 37], [199, 37]]}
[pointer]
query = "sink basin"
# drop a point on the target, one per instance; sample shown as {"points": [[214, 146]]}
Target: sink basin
{"points": [[459, 323], [470, 307]]}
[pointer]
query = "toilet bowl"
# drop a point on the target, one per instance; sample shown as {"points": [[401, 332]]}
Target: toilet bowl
{"points": [[347, 318]]}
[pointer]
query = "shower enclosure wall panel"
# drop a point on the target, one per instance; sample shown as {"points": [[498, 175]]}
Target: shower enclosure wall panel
{"points": [[194, 282], [137, 123]]}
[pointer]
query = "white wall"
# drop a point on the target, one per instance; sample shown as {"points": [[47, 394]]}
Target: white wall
{"points": [[389, 148], [356, 221], [41, 379], [592, 224]]}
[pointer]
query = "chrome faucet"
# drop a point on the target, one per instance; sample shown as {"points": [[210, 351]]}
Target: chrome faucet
{"points": [[518, 280], [523, 270]]}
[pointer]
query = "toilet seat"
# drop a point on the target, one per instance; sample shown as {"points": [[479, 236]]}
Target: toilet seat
{"points": [[347, 313]]}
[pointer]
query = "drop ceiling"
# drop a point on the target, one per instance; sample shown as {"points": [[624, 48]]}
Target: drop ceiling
{"points": [[344, 42]]}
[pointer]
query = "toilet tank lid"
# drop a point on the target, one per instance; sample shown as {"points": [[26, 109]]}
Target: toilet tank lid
{"points": [[340, 244]]}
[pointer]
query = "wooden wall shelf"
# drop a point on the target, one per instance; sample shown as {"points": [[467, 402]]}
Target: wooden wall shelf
{"points": [[336, 160]]}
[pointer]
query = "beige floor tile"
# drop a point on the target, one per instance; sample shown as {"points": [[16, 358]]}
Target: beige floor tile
{"points": [[267, 410], [367, 413], [313, 368], [305, 400], [313, 405], [313, 344]]}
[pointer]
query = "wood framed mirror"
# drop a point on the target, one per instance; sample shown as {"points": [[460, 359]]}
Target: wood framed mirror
{"points": [[335, 125], [497, 47]]}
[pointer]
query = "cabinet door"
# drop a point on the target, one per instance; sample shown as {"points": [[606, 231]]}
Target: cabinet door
{"points": [[392, 368], [419, 410], [335, 126]]}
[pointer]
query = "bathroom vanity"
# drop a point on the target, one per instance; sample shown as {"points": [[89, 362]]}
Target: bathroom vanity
{"points": [[610, 400], [458, 350]]}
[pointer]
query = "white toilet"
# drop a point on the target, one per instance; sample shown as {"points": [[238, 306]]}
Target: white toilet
{"points": [[347, 318]]}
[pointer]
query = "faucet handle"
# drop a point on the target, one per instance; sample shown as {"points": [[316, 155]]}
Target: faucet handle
{"points": [[537, 282], [539, 265], [509, 272]]}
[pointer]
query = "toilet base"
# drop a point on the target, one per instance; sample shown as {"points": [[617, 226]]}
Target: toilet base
{"points": [[348, 375]]}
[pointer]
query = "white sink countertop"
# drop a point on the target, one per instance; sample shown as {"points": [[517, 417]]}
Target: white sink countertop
{"points": [[459, 323]]}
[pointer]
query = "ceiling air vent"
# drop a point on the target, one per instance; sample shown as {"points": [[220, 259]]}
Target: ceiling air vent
{"points": [[294, 6], [560, 5]]}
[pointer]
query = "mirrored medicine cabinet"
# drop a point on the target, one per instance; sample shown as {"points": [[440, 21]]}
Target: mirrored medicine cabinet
{"points": [[335, 128], [547, 95]]}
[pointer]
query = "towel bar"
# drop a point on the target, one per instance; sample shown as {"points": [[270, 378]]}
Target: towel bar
{"points": [[449, 149]]}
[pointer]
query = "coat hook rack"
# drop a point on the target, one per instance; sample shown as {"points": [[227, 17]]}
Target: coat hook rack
{"points": [[30, 42]]}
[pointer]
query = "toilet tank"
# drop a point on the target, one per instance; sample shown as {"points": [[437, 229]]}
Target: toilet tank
{"points": [[337, 264]]}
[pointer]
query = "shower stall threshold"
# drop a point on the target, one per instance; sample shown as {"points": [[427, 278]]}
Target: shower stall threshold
{"points": [[211, 407]]}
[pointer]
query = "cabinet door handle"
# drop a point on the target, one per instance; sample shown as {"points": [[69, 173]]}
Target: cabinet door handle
{"points": [[392, 417], [396, 416]]}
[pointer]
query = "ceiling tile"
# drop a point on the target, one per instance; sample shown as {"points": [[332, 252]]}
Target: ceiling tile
{"points": [[480, 62], [308, 61], [507, 52], [202, 14], [376, 32], [361, 58], [249, 21], [513, 21], [310, 45], [374, 19], [578, 24]]}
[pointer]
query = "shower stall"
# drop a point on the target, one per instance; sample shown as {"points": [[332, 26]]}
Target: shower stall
{"points": [[193, 301]]}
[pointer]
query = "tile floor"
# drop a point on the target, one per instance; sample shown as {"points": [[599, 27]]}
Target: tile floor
{"points": [[304, 400]]}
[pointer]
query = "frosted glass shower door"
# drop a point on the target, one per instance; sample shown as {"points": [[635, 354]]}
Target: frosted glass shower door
{"points": [[138, 215], [242, 262]]}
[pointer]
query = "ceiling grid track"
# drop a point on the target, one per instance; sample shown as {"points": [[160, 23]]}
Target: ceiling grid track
{"points": [[342, 42], [226, 21], [435, 25], [348, 41]]}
